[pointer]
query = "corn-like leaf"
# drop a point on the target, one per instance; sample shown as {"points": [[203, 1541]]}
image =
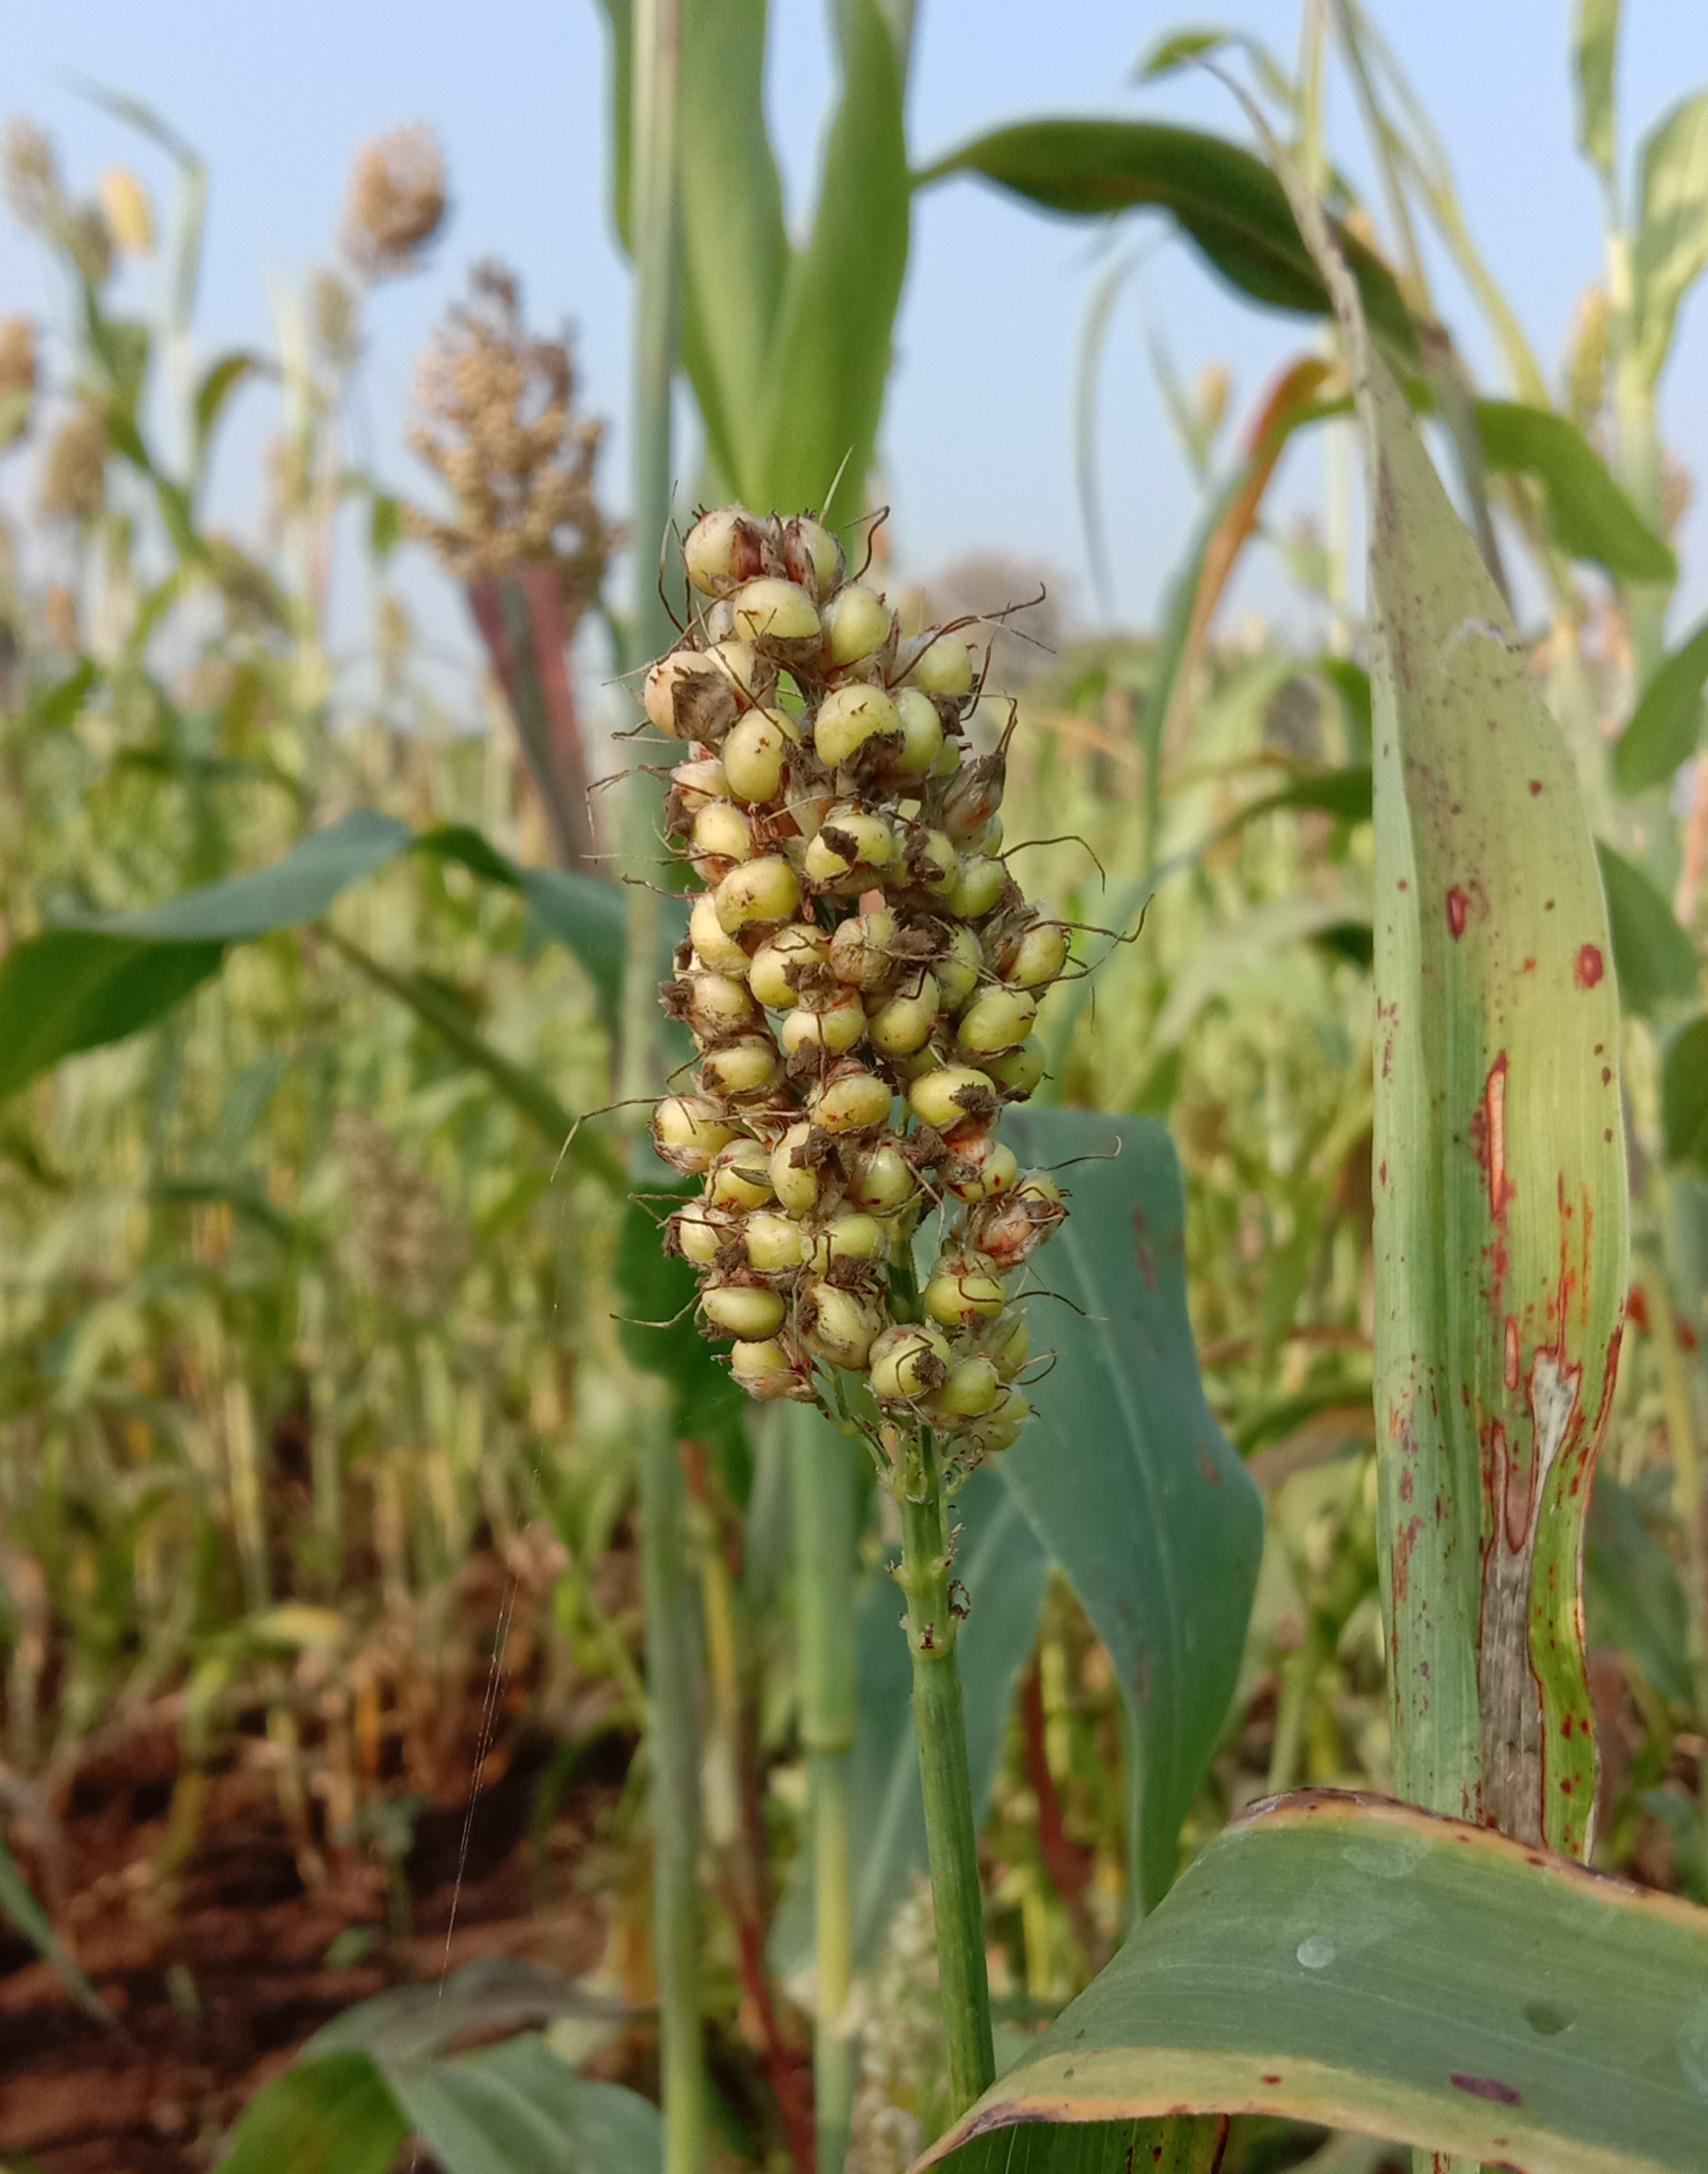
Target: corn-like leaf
{"points": [[1589, 515], [1370, 1968], [1595, 51], [830, 357], [1226, 200], [331, 2116], [1127, 1477], [1666, 723], [1501, 1189], [1654, 958], [1671, 247], [736, 248]]}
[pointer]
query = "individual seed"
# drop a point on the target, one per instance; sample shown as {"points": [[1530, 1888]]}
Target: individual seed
{"points": [[792, 956], [759, 892], [958, 969], [717, 1003], [882, 1179], [933, 864], [945, 666], [722, 835], [722, 549], [747, 671], [921, 734], [713, 946], [743, 1309], [777, 612], [970, 1391], [904, 1023], [687, 699], [851, 839], [687, 1131], [740, 1177], [987, 1171], [839, 1027], [797, 1184], [996, 1021], [850, 716], [863, 948], [695, 1234], [839, 1327], [908, 1361], [962, 1290], [693, 786], [766, 1371], [756, 749], [750, 1066], [979, 884], [857, 623], [952, 1094], [775, 1243], [1037, 957], [855, 1102], [848, 1238], [812, 555], [1019, 1073]]}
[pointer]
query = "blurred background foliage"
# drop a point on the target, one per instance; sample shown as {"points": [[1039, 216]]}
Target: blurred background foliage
{"points": [[316, 1477]]}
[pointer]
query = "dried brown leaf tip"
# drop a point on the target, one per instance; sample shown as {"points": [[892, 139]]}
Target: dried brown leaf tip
{"points": [[397, 201], [860, 980], [503, 433]]}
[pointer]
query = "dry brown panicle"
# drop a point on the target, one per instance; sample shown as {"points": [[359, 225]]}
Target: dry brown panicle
{"points": [[397, 201], [503, 433], [18, 356], [74, 475]]}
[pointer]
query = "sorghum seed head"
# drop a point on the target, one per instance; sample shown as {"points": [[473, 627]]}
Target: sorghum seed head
{"points": [[858, 938]]}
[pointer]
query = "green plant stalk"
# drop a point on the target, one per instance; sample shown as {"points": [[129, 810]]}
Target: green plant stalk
{"points": [[667, 1588], [667, 1591], [951, 1835], [824, 1482]]}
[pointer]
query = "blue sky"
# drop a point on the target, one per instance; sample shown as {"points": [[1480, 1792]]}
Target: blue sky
{"points": [[978, 442]]}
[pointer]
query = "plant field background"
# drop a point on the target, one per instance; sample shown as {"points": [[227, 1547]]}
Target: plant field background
{"points": [[321, 1666]]}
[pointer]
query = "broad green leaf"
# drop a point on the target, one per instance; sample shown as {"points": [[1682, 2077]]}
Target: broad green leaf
{"points": [[1666, 723], [73, 990], [1596, 51], [830, 357], [17, 1902], [1635, 1602], [735, 246], [1004, 1571], [1589, 515], [1224, 199], [1654, 959], [218, 382], [519, 2109], [416, 2023], [1671, 246], [329, 2116], [1501, 1189], [111, 974], [296, 889], [1362, 1965], [1684, 1095], [1128, 1481]]}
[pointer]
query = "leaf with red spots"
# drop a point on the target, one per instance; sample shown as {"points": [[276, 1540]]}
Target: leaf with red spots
{"points": [[1549, 2018], [1500, 1238]]}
